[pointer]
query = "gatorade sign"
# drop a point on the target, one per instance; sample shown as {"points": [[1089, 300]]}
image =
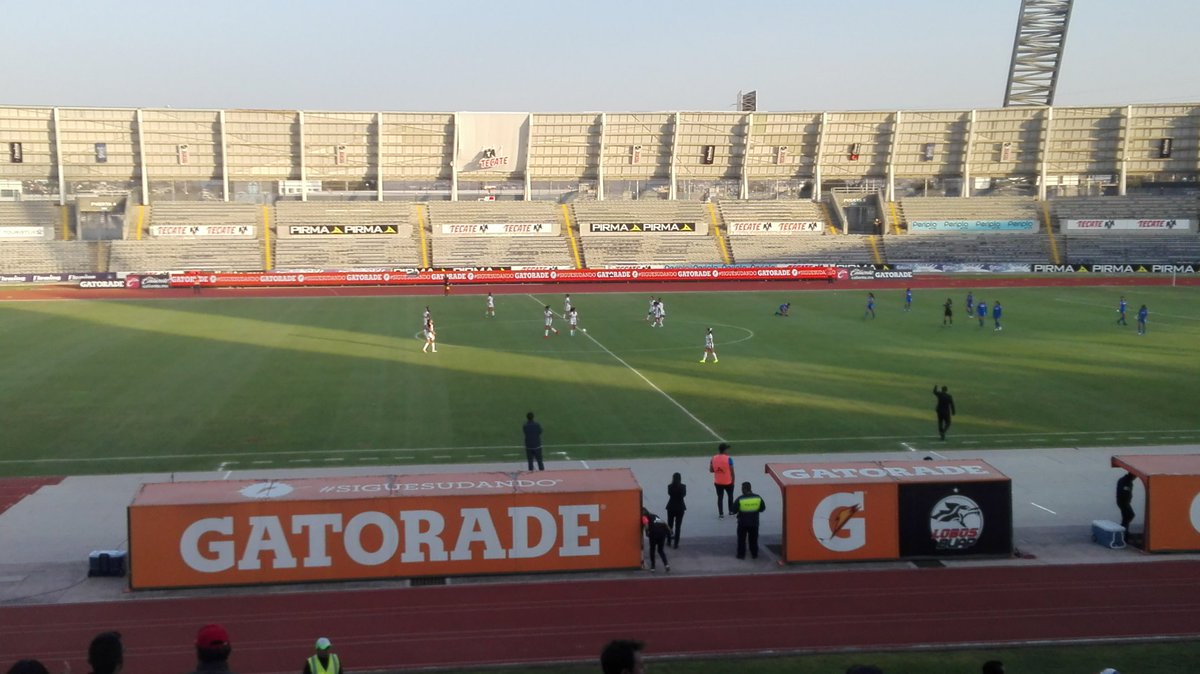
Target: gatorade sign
{"points": [[238, 533]]}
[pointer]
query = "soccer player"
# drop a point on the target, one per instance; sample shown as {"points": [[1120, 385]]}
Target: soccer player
{"points": [[1143, 313], [709, 347], [426, 316], [981, 312], [996, 311], [970, 303], [948, 312], [430, 337], [650, 311], [566, 304], [1121, 311], [573, 319], [660, 312], [907, 299], [491, 306], [549, 314], [784, 309], [870, 306]]}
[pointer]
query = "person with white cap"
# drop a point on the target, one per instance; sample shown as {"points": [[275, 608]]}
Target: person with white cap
{"points": [[324, 661]]}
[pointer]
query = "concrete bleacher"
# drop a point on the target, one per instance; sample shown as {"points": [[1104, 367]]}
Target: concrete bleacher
{"points": [[551, 249], [203, 213], [1134, 207], [186, 254], [667, 249], [1130, 248], [978, 208], [780, 248], [346, 251], [29, 214], [992, 247], [49, 257]]}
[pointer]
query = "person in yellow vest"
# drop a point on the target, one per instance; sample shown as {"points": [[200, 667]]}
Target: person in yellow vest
{"points": [[748, 506], [721, 466], [324, 661]]}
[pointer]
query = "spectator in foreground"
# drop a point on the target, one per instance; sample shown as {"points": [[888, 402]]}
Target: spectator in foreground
{"points": [[993, 667], [622, 656], [106, 655], [28, 667], [864, 669], [324, 661], [212, 650]]}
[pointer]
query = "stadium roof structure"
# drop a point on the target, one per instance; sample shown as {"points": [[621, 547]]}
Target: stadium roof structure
{"points": [[1037, 52]]}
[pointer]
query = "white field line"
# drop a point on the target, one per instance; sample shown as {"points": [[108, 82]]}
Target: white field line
{"points": [[938, 455], [1073, 436], [641, 376], [1043, 508]]}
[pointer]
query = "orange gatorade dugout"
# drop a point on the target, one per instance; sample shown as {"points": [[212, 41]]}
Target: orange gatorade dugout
{"points": [[188, 534], [1172, 507], [875, 510]]}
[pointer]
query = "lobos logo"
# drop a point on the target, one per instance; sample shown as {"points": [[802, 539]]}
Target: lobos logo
{"points": [[955, 523], [266, 490], [837, 523]]}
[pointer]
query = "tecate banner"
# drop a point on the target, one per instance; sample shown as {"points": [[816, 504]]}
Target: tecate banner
{"points": [[972, 226], [202, 230], [505, 229], [806, 227], [1180, 225], [191, 534], [276, 279]]}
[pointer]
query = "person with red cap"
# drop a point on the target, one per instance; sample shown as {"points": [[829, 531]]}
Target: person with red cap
{"points": [[212, 650], [324, 661]]}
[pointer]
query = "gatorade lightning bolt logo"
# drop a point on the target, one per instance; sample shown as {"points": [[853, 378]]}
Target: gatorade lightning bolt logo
{"points": [[955, 523], [836, 522]]}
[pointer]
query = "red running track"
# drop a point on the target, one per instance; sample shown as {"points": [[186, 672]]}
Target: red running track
{"points": [[537, 622], [13, 489]]}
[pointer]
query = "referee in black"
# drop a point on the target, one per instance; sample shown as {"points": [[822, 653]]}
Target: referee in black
{"points": [[945, 409]]}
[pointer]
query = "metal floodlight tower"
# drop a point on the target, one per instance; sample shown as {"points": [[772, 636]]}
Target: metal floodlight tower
{"points": [[1037, 52]]}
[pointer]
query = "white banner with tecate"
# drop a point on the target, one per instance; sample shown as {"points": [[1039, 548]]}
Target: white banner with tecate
{"points": [[22, 232], [1183, 225], [776, 227], [502, 229], [202, 230]]}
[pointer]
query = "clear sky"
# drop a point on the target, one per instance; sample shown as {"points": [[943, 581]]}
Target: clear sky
{"points": [[567, 55]]}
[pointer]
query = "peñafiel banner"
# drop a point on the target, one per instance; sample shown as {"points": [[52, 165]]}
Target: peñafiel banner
{"points": [[272, 279]]}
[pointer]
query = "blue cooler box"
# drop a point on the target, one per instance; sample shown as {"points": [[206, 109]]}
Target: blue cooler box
{"points": [[1108, 533], [106, 563]]}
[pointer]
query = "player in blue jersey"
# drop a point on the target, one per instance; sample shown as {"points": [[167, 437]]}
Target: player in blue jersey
{"points": [[907, 299], [1142, 315], [996, 312], [784, 309], [870, 306], [970, 303], [1121, 311], [981, 312]]}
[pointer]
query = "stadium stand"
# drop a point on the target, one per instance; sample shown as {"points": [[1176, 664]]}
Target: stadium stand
{"points": [[966, 248], [346, 251], [29, 214], [202, 213], [777, 249], [50, 257], [1132, 247], [670, 249], [497, 250], [981, 208], [186, 254]]}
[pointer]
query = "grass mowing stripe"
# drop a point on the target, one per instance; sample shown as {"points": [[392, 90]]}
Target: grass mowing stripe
{"points": [[643, 378]]}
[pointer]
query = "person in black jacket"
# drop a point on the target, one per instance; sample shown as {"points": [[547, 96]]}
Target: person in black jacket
{"points": [[676, 491], [945, 410], [748, 506], [658, 533], [1125, 498]]}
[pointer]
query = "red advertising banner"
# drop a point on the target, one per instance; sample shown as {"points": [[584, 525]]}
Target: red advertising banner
{"points": [[380, 278]]}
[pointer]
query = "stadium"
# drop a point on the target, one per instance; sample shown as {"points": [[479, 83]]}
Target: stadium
{"points": [[218, 408]]}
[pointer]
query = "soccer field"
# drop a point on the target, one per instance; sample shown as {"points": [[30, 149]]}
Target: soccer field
{"points": [[197, 384]]}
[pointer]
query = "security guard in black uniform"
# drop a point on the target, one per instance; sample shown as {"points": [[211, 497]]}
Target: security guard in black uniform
{"points": [[748, 506], [324, 661]]}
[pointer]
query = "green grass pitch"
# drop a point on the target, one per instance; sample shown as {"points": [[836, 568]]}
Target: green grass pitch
{"points": [[197, 384]]}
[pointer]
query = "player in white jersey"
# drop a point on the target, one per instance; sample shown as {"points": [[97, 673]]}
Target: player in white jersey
{"points": [[709, 347], [549, 314], [430, 336], [426, 316], [566, 304], [491, 306], [650, 311], [573, 320], [660, 313]]}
